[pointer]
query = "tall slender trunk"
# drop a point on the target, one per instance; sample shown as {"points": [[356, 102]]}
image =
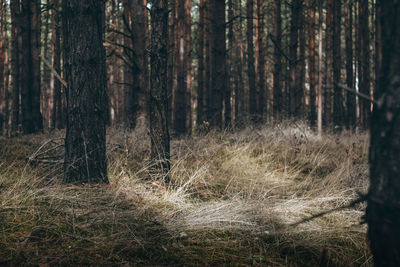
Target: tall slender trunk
{"points": [[250, 60], [365, 106], [329, 63], [3, 51], [230, 72], [311, 62], [158, 99], [188, 65], [171, 59], [261, 106], [15, 64], [239, 84], [56, 117], [293, 57], [46, 96], [338, 109], [350, 97], [218, 69], [201, 74], [320, 73], [300, 87], [277, 106]]}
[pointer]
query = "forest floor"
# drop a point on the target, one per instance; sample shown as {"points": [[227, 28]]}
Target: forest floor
{"points": [[235, 200]]}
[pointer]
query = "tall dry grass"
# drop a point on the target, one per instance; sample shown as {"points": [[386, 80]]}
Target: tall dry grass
{"points": [[233, 199]]}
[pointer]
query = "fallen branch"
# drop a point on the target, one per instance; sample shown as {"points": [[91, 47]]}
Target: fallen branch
{"points": [[356, 93], [53, 71]]}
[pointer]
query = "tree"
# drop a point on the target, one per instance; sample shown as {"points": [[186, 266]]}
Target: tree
{"points": [[311, 62], [218, 64], [277, 106], [15, 65], [85, 72], [293, 57], [261, 106], [364, 32], [158, 98], [351, 114], [32, 121], [329, 63], [338, 113], [3, 52], [201, 74], [251, 73], [383, 211]]}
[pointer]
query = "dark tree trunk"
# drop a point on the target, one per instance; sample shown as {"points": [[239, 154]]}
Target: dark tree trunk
{"points": [[300, 88], [364, 32], [136, 78], [15, 65], [171, 60], [6, 71], [158, 99], [311, 62], [208, 48], [56, 117], [261, 106], [277, 106], [180, 108], [293, 57], [30, 68], [251, 73], [338, 109], [383, 211], [351, 115], [218, 69], [188, 65], [329, 63], [201, 74], [3, 52], [230, 85], [320, 72], [85, 69], [239, 84]]}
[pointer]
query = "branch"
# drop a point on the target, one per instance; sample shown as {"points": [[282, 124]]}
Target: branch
{"points": [[356, 93], [53, 71]]}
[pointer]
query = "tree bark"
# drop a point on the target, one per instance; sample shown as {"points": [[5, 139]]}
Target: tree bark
{"points": [[261, 90], [338, 109], [239, 84], [350, 97], [251, 73], [293, 57], [15, 65], [383, 211], [320, 72], [218, 66], [277, 105], [158, 98], [329, 63], [201, 74], [311, 62], [85, 69], [365, 105]]}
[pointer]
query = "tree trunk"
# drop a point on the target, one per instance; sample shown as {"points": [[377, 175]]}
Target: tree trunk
{"points": [[158, 99], [329, 63], [188, 65], [218, 66], [293, 57], [3, 51], [239, 84], [338, 114], [300, 87], [350, 97], [277, 106], [383, 211], [56, 118], [6, 71], [320, 73], [15, 64], [85, 69], [201, 74], [251, 73], [30, 68], [261, 106], [311, 62], [171, 60], [229, 71], [365, 105], [180, 108]]}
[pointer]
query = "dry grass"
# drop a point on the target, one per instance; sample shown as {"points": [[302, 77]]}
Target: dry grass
{"points": [[233, 200]]}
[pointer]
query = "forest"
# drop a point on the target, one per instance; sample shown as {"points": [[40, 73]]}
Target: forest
{"points": [[199, 132]]}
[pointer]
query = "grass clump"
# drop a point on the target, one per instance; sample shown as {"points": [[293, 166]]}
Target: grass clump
{"points": [[234, 199]]}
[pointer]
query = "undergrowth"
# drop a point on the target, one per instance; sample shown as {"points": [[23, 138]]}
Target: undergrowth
{"points": [[233, 201]]}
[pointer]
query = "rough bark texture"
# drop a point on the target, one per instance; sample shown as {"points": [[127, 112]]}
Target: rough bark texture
{"points": [[200, 76], [351, 115], [365, 105], [56, 116], [320, 73], [218, 66], [3, 52], [261, 90], [293, 57], [251, 73], [329, 63], [180, 90], [311, 62], [231, 85], [85, 69], [277, 106], [15, 65], [338, 109], [158, 99], [30, 67], [383, 211], [239, 84]]}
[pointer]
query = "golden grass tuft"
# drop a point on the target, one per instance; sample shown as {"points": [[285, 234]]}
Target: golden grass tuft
{"points": [[234, 198]]}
